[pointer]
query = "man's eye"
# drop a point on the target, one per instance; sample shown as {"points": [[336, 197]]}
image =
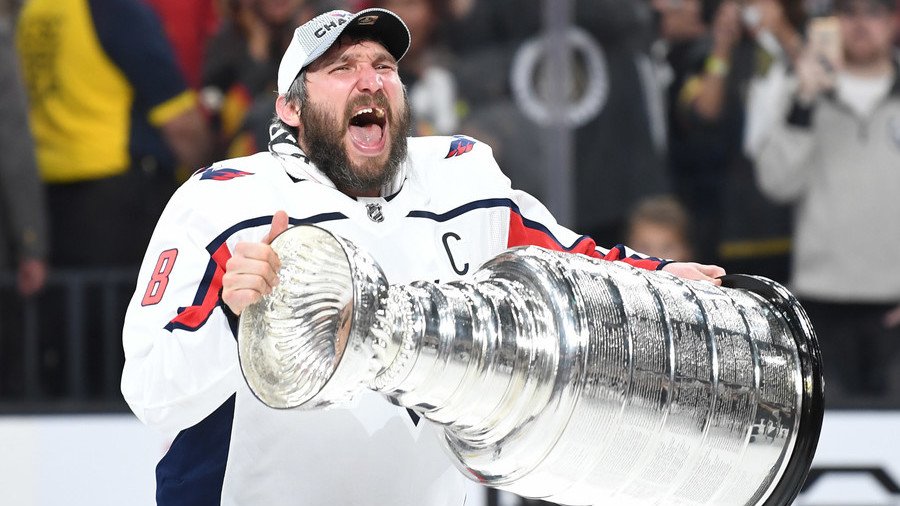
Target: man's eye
{"points": [[340, 68]]}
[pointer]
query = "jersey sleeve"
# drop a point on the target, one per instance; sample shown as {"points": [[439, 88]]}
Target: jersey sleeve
{"points": [[180, 351], [531, 224]]}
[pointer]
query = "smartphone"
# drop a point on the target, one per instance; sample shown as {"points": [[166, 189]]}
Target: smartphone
{"points": [[824, 38]]}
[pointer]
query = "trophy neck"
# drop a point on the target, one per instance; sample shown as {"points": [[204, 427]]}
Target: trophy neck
{"points": [[479, 357]]}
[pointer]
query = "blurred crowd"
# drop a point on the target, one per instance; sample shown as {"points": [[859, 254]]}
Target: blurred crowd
{"points": [[760, 135]]}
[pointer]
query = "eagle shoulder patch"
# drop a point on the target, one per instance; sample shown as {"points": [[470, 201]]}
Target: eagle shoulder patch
{"points": [[460, 146], [223, 174]]}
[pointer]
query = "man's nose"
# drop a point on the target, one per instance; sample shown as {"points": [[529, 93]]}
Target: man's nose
{"points": [[369, 80]]}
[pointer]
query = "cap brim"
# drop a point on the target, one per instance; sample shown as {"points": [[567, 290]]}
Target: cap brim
{"points": [[381, 25]]}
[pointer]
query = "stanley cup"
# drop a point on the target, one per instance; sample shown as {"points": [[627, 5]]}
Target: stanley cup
{"points": [[555, 375]]}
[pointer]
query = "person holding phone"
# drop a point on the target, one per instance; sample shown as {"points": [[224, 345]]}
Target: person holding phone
{"points": [[834, 154], [736, 224]]}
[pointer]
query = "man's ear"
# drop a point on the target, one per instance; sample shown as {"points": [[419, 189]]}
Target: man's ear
{"points": [[287, 112]]}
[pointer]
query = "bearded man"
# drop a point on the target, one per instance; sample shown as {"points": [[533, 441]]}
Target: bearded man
{"points": [[430, 208], [834, 155]]}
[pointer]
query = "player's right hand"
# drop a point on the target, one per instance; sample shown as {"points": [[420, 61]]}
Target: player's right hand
{"points": [[252, 271]]}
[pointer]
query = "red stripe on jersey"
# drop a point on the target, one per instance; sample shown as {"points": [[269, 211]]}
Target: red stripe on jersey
{"points": [[194, 316], [521, 234]]}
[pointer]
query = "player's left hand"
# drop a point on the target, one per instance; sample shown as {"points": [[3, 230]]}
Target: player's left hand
{"points": [[695, 271]]}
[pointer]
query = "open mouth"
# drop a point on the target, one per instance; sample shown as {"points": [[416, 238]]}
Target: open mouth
{"points": [[367, 128]]}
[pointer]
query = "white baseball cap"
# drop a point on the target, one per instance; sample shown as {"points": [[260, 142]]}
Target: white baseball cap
{"points": [[314, 37]]}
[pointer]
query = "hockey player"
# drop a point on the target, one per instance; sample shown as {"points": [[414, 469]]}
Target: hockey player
{"points": [[426, 208]]}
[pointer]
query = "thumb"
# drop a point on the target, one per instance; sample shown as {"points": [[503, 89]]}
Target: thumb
{"points": [[279, 225]]}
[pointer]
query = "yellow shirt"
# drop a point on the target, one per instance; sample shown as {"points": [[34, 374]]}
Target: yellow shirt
{"points": [[101, 78]]}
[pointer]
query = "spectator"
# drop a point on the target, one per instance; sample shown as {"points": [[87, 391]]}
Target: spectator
{"points": [[834, 154], [23, 230], [682, 29], [113, 119], [737, 225], [237, 73], [660, 227], [679, 24]]}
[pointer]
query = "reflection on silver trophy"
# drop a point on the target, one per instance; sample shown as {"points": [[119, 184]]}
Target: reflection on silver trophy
{"points": [[555, 375]]}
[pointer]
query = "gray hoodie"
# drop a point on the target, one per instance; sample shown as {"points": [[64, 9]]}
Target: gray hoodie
{"points": [[842, 173]]}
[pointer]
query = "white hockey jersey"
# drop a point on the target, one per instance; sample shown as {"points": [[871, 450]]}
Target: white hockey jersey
{"points": [[449, 210]]}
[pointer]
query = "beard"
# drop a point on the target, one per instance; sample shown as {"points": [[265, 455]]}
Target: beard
{"points": [[322, 137]]}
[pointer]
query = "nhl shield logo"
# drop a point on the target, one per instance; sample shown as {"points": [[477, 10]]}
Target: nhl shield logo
{"points": [[375, 214]]}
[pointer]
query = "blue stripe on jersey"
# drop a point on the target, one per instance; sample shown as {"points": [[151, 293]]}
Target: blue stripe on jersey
{"points": [[216, 243], [265, 220], [490, 203], [192, 472], [205, 284]]}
